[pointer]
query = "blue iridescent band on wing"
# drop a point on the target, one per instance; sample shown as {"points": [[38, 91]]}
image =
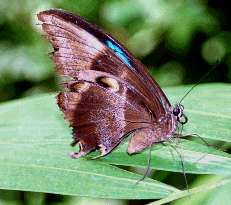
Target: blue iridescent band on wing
{"points": [[118, 52]]}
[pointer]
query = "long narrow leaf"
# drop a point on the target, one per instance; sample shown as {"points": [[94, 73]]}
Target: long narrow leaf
{"points": [[35, 145]]}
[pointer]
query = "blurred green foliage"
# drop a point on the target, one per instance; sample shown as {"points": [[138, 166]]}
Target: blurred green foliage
{"points": [[178, 41]]}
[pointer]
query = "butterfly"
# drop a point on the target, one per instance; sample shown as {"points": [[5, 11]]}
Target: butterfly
{"points": [[111, 94]]}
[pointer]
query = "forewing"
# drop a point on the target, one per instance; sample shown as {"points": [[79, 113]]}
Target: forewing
{"points": [[80, 45]]}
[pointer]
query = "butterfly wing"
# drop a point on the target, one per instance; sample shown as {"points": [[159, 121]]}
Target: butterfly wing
{"points": [[80, 45], [111, 93], [100, 117]]}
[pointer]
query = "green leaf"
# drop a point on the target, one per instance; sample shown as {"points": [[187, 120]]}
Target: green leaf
{"points": [[35, 142], [35, 145], [204, 190]]}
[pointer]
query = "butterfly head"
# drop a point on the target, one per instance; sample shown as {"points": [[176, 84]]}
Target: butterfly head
{"points": [[178, 113]]}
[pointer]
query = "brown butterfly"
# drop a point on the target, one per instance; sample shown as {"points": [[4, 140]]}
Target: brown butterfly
{"points": [[111, 94]]}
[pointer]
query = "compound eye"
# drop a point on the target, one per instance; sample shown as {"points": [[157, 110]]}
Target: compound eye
{"points": [[176, 111]]}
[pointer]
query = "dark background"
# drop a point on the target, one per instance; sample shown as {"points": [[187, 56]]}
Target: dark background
{"points": [[178, 41]]}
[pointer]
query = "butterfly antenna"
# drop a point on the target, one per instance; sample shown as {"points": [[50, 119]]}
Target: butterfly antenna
{"points": [[200, 80]]}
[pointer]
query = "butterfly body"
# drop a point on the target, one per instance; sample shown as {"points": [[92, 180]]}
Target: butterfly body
{"points": [[111, 94]]}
